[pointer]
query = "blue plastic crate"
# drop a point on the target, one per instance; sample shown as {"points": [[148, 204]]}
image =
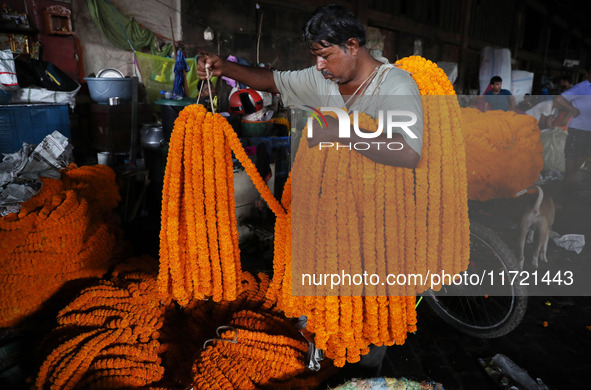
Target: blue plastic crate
{"points": [[30, 123]]}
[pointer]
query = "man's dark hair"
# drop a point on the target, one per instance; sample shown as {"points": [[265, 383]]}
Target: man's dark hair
{"points": [[496, 79], [333, 25]]}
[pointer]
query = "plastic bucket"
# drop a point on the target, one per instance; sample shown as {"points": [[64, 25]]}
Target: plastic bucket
{"points": [[256, 128]]}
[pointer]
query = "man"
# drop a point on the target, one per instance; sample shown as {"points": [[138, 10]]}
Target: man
{"points": [[344, 72], [564, 84], [498, 98], [345, 75], [577, 102]]}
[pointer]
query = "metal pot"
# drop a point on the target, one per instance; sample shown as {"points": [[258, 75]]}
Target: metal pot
{"points": [[152, 136]]}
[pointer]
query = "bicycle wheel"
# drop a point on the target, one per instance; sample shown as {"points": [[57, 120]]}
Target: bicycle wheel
{"points": [[474, 311]]}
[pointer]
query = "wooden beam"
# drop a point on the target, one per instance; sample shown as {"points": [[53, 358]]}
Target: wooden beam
{"points": [[403, 24], [464, 30]]}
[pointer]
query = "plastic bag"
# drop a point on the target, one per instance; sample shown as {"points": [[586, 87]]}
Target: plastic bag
{"points": [[43, 95], [158, 75], [7, 71], [521, 84], [45, 75], [553, 141]]}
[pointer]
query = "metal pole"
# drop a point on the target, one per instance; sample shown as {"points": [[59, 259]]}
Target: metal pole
{"points": [[133, 142]]}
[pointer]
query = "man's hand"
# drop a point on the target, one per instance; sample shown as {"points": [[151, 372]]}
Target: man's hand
{"points": [[257, 78], [209, 61]]}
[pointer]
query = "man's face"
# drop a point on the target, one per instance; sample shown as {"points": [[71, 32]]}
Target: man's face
{"points": [[496, 86], [334, 62], [564, 85]]}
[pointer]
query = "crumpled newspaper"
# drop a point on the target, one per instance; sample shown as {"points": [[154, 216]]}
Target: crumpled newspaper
{"points": [[570, 242], [313, 357], [550, 175], [13, 164], [20, 172]]}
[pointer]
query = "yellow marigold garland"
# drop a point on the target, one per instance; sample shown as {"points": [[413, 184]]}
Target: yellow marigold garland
{"points": [[503, 153]]}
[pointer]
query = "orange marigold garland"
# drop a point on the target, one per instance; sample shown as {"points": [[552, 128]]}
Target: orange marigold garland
{"points": [[434, 191], [196, 201], [419, 203], [207, 193], [118, 334], [65, 232], [111, 337], [256, 347], [503, 153]]}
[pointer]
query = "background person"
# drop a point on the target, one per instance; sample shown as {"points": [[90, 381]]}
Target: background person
{"points": [[577, 101], [498, 98], [564, 84]]}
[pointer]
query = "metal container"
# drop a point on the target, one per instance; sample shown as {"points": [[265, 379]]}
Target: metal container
{"points": [[152, 136], [109, 72], [114, 101]]}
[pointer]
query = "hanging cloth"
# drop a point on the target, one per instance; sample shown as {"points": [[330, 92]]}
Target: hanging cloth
{"points": [[180, 68], [123, 32]]}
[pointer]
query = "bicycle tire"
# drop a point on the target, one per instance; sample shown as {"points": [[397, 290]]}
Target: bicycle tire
{"points": [[472, 314]]}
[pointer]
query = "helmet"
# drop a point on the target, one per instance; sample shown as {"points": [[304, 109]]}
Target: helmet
{"points": [[245, 101]]}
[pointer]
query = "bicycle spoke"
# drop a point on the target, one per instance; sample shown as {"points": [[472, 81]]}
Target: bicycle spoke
{"points": [[484, 311]]}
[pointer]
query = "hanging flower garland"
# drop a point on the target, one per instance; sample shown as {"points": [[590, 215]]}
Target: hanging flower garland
{"points": [[199, 237], [426, 209], [421, 213], [503, 153]]}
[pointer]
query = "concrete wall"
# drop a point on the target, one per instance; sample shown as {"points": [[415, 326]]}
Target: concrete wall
{"points": [[235, 24], [98, 53]]}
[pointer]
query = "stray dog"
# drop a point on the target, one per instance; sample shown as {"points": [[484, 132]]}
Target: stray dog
{"points": [[539, 218]]}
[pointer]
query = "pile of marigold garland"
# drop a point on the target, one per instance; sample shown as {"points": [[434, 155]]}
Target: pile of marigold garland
{"points": [[503, 153], [63, 233], [256, 348], [426, 208], [118, 334], [109, 338]]}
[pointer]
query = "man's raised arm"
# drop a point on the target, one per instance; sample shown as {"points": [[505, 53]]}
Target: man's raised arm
{"points": [[257, 78]]}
